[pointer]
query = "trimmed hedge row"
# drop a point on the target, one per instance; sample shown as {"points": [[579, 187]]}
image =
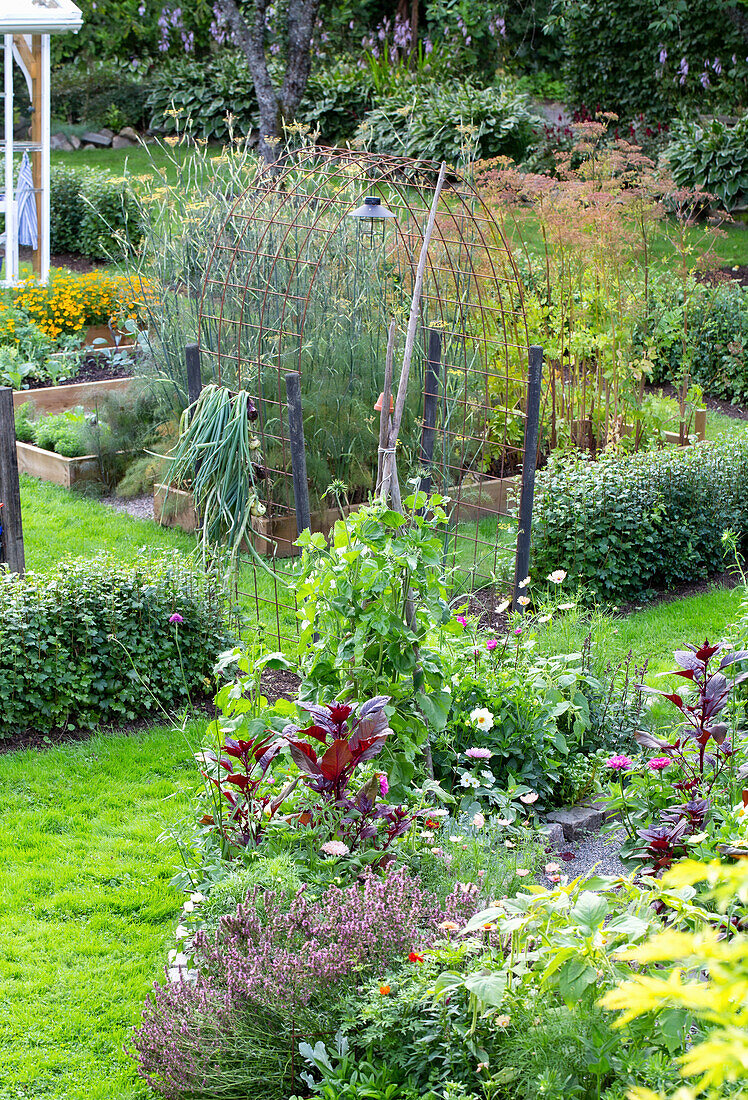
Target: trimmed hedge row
{"points": [[91, 642], [91, 213], [626, 527]]}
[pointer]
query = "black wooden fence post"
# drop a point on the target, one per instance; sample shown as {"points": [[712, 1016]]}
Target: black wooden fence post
{"points": [[194, 378], [298, 452], [430, 403], [532, 425], [11, 540]]}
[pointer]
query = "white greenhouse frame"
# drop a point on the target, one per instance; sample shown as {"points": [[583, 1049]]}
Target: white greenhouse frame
{"points": [[26, 26]]}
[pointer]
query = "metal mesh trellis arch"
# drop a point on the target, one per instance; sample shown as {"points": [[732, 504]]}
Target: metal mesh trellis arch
{"points": [[294, 283]]}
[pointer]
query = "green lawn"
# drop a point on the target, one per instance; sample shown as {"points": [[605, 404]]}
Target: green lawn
{"points": [[137, 161], [86, 910], [59, 524]]}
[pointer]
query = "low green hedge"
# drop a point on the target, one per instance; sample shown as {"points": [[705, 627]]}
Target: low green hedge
{"points": [[626, 527], [92, 643], [91, 213]]}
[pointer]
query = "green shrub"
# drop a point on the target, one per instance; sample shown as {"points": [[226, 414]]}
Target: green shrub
{"points": [[625, 527], [336, 100], [91, 642], [91, 213], [711, 158], [67, 209], [89, 94], [629, 57], [204, 95], [450, 122], [716, 347]]}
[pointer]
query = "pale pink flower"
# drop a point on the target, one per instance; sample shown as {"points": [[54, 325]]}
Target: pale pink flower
{"points": [[334, 848]]}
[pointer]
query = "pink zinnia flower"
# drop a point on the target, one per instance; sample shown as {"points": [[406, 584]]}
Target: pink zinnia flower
{"points": [[461, 620], [479, 754], [176, 618], [383, 785], [619, 763], [518, 631], [491, 644], [658, 763]]}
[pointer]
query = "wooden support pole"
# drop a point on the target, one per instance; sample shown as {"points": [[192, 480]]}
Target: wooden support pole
{"points": [[11, 540], [194, 377], [699, 423], [298, 451], [388, 465], [430, 402], [37, 108], [529, 461]]}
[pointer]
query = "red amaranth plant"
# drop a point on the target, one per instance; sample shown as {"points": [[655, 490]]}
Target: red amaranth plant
{"points": [[351, 735], [701, 713]]}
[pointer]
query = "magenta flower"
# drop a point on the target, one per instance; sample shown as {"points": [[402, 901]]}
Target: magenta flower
{"points": [[461, 620], [491, 644], [383, 785], [518, 631], [619, 763], [478, 754], [658, 763], [176, 618]]}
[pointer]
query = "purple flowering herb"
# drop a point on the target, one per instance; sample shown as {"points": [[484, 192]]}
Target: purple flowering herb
{"points": [[272, 959]]}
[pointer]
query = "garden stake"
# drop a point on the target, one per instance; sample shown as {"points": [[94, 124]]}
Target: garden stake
{"points": [[529, 461], [11, 539], [388, 464], [194, 378], [430, 400], [384, 415], [298, 451]]}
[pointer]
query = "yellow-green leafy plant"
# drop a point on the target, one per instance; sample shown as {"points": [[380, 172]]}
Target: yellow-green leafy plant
{"points": [[703, 972]]}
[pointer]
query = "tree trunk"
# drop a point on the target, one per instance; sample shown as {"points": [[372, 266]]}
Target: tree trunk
{"points": [[275, 106]]}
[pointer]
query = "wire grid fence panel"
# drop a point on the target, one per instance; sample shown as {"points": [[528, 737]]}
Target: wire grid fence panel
{"points": [[296, 284]]}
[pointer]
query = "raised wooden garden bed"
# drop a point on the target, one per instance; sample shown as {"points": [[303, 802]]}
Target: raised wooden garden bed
{"points": [[56, 468], [57, 399], [271, 538], [474, 501]]}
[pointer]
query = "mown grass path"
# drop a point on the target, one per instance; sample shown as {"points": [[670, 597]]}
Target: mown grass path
{"points": [[86, 910]]}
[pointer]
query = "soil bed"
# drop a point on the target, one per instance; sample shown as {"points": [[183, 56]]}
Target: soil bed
{"points": [[94, 368]]}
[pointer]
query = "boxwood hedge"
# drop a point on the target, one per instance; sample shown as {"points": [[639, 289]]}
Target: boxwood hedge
{"points": [[624, 527], [91, 642]]}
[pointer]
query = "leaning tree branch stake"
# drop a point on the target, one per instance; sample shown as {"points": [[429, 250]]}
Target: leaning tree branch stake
{"points": [[389, 467]]}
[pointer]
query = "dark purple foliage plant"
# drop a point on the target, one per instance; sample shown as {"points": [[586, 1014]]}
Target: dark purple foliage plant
{"points": [[695, 765], [272, 974], [340, 738]]}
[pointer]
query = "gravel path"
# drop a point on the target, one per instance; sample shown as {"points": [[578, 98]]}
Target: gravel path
{"points": [[596, 848], [140, 507]]}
